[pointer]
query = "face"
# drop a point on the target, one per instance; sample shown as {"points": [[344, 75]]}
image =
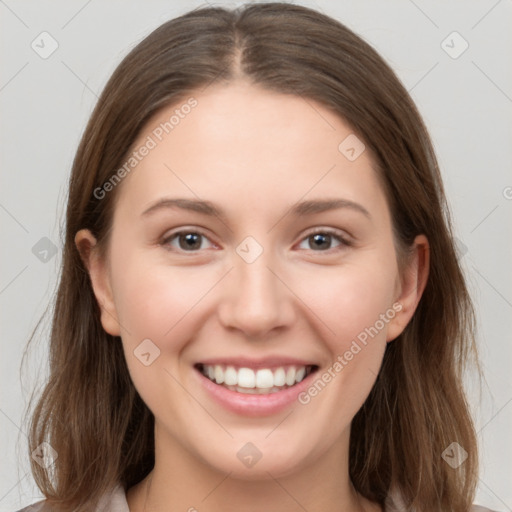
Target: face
{"points": [[252, 278]]}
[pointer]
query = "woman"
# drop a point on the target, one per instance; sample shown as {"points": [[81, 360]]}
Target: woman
{"points": [[260, 305]]}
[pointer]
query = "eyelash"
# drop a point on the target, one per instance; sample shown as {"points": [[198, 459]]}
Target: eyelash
{"points": [[344, 242]]}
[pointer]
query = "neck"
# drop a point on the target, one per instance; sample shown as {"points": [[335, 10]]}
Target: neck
{"points": [[180, 482]]}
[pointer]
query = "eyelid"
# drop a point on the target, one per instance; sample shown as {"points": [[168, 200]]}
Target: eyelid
{"points": [[341, 236], [166, 239]]}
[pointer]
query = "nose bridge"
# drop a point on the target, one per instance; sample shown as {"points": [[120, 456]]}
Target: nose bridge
{"points": [[257, 300]]}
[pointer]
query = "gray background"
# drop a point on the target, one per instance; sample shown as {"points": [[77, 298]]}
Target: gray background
{"points": [[45, 102]]}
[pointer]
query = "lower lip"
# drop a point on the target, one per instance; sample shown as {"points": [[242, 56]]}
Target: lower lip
{"points": [[254, 405]]}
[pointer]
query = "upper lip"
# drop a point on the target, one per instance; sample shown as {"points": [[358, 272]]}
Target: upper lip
{"points": [[266, 362]]}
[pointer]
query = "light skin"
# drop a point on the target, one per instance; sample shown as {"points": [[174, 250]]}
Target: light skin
{"points": [[254, 154]]}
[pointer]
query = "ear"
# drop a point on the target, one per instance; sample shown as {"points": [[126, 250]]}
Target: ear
{"points": [[100, 278], [411, 286]]}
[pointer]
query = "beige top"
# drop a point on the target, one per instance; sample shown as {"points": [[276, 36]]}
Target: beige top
{"points": [[116, 502]]}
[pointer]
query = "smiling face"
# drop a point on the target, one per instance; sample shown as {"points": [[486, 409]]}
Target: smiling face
{"points": [[224, 253]]}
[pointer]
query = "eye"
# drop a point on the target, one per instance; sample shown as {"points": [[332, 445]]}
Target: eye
{"points": [[187, 240], [321, 240]]}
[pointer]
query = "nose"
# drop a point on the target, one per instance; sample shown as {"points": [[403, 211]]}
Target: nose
{"points": [[257, 299]]}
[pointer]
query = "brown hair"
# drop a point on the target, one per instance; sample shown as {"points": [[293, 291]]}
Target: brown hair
{"points": [[90, 412]]}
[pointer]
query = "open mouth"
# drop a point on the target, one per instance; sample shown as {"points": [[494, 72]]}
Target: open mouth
{"points": [[256, 381]]}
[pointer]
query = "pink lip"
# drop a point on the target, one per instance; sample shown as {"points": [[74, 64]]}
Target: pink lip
{"points": [[268, 362], [253, 405]]}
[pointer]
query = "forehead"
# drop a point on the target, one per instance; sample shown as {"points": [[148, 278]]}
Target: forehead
{"points": [[240, 142]]}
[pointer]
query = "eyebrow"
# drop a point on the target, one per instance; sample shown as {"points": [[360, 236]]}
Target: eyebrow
{"points": [[302, 209]]}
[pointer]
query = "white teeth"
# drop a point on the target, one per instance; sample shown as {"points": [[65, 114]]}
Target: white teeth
{"points": [[290, 376], [246, 378], [264, 380], [219, 374], [279, 377], [300, 374], [230, 376]]}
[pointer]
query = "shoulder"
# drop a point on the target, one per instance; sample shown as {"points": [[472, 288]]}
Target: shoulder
{"points": [[394, 503], [474, 508], [40, 506], [113, 501]]}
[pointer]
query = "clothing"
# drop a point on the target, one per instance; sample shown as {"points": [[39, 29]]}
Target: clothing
{"points": [[116, 502]]}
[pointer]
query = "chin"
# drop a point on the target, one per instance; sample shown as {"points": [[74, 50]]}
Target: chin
{"points": [[251, 463]]}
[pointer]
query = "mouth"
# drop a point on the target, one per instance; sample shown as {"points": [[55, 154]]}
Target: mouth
{"points": [[256, 381]]}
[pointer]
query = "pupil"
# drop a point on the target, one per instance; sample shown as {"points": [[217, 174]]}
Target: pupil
{"points": [[191, 241], [321, 238]]}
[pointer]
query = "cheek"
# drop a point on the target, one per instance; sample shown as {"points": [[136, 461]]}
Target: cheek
{"points": [[149, 297], [151, 300], [356, 303], [349, 299], [157, 302]]}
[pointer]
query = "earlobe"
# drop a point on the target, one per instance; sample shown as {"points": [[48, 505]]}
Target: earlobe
{"points": [[100, 279], [413, 282]]}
